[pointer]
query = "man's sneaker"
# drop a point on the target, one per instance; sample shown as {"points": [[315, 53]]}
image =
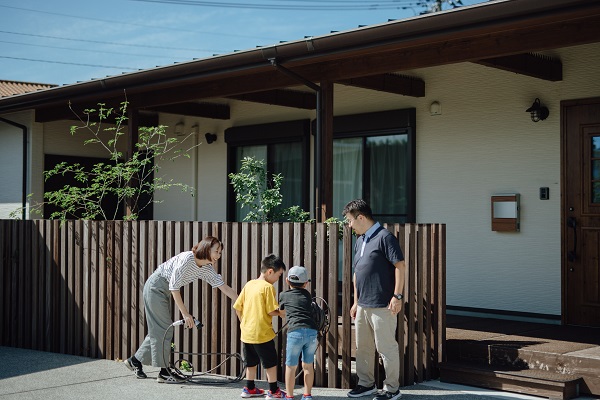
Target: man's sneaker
{"points": [[136, 367], [173, 377], [256, 392], [385, 395], [279, 394], [306, 397], [360, 391]]}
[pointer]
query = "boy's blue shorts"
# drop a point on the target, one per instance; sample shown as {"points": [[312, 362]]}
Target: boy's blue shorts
{"points": [[301, 341]]}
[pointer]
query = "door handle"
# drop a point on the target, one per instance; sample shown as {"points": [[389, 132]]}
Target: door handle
{"points": [[572, 254]]}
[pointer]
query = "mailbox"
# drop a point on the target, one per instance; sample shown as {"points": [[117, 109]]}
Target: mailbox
{"points": [[505, 212]]}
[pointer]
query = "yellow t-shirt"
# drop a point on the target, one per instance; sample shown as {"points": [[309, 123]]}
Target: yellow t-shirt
{"points": [[255, 302]]}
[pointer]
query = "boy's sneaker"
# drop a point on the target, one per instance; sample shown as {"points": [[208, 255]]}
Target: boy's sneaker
{"points": [[173, 377], [360, 391], [256, 392], [306, 397], [279, 394], [385, 395], [136, 367]]}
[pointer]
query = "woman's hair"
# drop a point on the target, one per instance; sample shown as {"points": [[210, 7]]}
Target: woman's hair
{"points": [[202, 249]]}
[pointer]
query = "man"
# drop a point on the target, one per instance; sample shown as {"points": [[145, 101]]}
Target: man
{"points": [[378, 285]]}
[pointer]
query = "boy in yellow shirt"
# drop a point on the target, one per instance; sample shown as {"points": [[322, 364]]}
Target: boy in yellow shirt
{"points": [[255, 307]]}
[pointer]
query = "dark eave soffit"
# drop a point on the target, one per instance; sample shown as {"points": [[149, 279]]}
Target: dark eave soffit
{"points": [[535, 65], [203, 109], [390, 83], [281, 97]]}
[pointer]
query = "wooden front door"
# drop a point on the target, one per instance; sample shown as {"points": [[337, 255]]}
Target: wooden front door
{"points": [[581, 211]]}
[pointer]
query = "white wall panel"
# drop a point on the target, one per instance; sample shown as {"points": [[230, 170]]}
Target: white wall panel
{"points": [[485, 143]]}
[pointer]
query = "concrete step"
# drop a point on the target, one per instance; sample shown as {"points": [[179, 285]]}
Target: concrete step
{"points": [[526, 381], [517, 356]]}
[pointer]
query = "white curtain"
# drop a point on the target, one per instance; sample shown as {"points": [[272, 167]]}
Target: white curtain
{"points": [[347, 173]]}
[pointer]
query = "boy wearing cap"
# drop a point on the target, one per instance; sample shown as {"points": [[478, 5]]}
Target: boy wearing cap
{"points": [[295, 306]]}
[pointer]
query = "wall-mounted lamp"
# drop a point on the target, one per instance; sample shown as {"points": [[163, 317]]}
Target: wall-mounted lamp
{"points": [[179, 128], [435, 108], [538, 111], [210, 137]]}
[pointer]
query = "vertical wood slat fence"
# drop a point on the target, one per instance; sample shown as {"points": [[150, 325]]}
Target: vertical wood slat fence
{"points": [[76, 288]]}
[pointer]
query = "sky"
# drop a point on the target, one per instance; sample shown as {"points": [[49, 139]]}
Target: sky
{"points": [[68, 41]]}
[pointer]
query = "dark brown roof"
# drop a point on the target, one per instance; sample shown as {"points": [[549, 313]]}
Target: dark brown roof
{"points": [[9, 88]]}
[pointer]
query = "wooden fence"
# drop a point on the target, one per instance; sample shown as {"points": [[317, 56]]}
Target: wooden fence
{"points": [[76, 288]]}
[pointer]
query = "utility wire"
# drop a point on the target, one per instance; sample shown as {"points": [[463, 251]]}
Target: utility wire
{"points": [[298, 7], [100, 42], [69, 63], [133, 23], [87, 50]]}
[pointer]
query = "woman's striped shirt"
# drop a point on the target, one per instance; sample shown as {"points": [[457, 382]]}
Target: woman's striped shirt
{"points": [[182, 269]]}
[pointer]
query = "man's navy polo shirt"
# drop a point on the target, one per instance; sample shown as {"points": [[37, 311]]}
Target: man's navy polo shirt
{"points": [[375, 278]]}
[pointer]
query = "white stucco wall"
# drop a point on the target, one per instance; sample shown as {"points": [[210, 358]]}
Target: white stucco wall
{"points": [[11, 164], [484, 143]]}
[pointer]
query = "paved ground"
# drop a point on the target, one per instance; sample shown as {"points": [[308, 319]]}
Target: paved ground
{"points": [[29, 374]]}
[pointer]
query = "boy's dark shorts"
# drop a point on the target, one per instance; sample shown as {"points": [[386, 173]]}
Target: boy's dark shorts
{"points": [[265, 353]]}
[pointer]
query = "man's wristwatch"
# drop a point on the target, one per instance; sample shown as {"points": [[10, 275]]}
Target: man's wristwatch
{"points": [[398, 296]]}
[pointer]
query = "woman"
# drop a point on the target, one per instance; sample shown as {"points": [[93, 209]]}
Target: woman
{"points": [[165, 282]]}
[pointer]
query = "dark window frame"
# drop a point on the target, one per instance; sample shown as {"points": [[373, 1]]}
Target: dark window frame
{"points": [[268, 134], [393, 122]]}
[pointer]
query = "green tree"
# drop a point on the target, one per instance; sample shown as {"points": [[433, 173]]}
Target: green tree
{"points": [[129, 180]]}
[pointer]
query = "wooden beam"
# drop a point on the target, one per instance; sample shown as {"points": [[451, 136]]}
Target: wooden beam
{"points": [[281, 97], [467, 49], [204, 110], [535, 65], [390, 83]]}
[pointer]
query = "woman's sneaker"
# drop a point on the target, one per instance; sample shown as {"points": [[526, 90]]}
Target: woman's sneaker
{"points": [[256, 392], [136, 367], [173, 377]]}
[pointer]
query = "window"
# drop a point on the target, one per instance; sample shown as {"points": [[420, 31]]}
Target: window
{"points": [[109, 204], [285, 149], [373, 159]]}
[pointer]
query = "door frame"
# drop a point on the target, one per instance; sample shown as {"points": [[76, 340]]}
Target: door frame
{"points": [[564, 104]]}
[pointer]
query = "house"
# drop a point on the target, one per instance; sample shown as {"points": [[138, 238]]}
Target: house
{"points": [[429, 118]]}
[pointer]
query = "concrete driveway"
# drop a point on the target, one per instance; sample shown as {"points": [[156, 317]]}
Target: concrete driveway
{"points": [[29, 374]]}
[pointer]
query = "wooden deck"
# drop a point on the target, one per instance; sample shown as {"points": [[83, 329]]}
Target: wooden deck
{"points": [[553, 361]]}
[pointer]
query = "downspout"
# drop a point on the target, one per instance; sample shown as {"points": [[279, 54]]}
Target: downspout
{"points": [[25, 162], [318, 134]]}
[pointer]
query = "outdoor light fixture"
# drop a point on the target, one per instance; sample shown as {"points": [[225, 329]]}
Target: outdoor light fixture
{"points": [[538, 111], [435, 108], [210, 137]]}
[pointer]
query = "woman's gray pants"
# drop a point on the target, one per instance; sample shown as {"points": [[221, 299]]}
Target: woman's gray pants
{"points": [[155, 350]]}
